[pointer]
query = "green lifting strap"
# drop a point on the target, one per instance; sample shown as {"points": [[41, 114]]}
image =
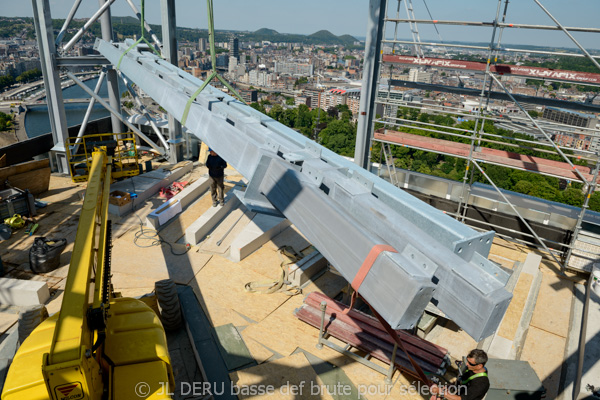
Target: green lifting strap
{"points": [[142, 38], [473, 377]]}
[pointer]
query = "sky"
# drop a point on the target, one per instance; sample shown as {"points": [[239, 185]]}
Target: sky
{"points": [[350, 17]]}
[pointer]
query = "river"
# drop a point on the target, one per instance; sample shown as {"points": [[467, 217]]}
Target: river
{"points": [[37, 121]]}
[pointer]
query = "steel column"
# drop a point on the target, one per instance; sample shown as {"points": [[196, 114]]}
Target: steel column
{"points": [[112, 81], [364, 130], [169, 34], [56, 107]]}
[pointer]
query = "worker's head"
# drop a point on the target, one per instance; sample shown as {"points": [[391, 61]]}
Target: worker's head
{"points": [[476, 359], [212, 152]]}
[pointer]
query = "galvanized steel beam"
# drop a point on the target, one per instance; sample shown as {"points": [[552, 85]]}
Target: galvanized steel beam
{"points": [[341, 208]]}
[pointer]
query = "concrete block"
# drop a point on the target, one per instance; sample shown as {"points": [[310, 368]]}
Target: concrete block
{"points": [[304, 270], [146, 186], [19, 292], [532, 264], [203, 225], [259, 231], [183, 198], [500, 348]]}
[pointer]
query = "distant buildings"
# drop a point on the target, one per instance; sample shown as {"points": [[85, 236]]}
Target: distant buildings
{"points": [[294, 68], [234, 48], [569, 117]]}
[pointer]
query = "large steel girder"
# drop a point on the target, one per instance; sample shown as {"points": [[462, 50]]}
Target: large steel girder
{"points": [[342, 209]]}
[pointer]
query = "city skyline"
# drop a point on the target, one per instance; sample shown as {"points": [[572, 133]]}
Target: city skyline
{"points": [[350, 17]]}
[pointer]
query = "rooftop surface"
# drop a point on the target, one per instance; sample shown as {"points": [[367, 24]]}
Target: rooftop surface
{"points": [[536, 328]]}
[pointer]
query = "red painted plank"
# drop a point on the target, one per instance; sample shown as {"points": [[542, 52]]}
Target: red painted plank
{"points": [[501, 157], [359, 320], [502, 69]]}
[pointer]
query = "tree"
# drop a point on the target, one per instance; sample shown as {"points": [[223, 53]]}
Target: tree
{"points": [[289, 101], [6, 81], [258, 107], [533, 113], [276, 112], [339, 137]]}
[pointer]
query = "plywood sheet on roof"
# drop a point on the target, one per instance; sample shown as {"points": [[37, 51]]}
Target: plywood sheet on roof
{"points": [[283, 374], [156, 262], [545, 352], [297, 333], [258, 351], [558, 293], [222, 282]]}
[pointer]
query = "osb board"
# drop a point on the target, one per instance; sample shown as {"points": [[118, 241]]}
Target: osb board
{"points": [[123, 282], [553, 307], [264, 261], [289, 372], [259, 352], [282, 332], [545, 352], [368, 382], [36, 181], [227, 230], [510, 323], [156, 262], [16, 169], [222, 282]]}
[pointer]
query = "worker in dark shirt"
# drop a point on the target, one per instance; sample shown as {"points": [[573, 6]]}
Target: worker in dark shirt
{"points": [[471, 385], [216, 171]]}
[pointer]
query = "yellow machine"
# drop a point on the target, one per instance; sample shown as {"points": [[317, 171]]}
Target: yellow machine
{"points": [[98, 346], [121, 147]]}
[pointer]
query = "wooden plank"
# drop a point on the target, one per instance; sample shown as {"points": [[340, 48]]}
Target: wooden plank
{"points": [[23, 167], [233, 349], [36, 181]]}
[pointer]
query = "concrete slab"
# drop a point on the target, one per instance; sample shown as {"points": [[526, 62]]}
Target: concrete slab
{"points": [[532, 264], [500, 348], [198, 230], [307, 268], [183, 198], [569, 379], [259, 231], [220, 238], [19, 292]]}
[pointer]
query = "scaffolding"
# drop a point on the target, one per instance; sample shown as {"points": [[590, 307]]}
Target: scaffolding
{"points": [[390, 92]]}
